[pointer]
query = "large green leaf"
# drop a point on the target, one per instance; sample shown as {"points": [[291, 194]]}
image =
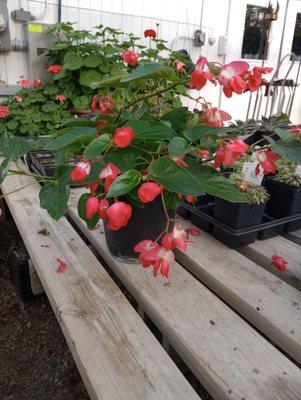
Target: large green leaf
{"points": [[72, 135], [81, 103], [151, 130], [175, 178], [92, 61], [151, 71], [89, 77], [198, 132], [98, 145], [73, 62], [215, 183], [54, 198], [81, 208], [4, 167], [288, 149], [123, 158], [124, 183], [112, 81], [177, 118], [178, 147], [14, 147]]}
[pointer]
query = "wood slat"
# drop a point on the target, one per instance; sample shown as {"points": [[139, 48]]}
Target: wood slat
{"points": [[116, 354], [230, 358], [294, 236], [266, 301], [261, 251]]}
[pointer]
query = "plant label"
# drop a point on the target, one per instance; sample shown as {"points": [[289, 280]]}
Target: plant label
{"points": [[249, 174]]}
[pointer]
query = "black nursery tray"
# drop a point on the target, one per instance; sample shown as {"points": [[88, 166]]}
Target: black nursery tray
{"points": [[203, 218]]}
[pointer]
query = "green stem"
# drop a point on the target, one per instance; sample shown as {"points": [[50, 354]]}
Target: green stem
{"points": [[149, 95], [20, 172]]}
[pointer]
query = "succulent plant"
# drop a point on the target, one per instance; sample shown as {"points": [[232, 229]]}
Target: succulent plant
{"points": [[255, 194], [286, 172]]}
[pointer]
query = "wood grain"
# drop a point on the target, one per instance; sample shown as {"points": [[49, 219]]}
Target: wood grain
{"points": [[116, 354], [266, 301], [261, 251], [229, 357]]}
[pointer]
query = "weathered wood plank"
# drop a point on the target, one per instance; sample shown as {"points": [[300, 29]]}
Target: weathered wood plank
{"points": [[294, 236], [230, 358], [116, 354], [266, 301], [262, 250]]}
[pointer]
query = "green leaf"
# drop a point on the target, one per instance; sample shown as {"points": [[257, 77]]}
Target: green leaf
{"points": [[72, 135], [73, 62], [171, 200], [283, 134], [4, 167], [81, 103], [81, 208], [98, 145], [288, 149], [92, 61], [124, 183], [112, 81], [178, 147], [215, 183], [54, 198], [151, 130], [14, 147], [198, 132], [151, 71], [123, 158], [175, 178], [177, 118], [89, 77]]}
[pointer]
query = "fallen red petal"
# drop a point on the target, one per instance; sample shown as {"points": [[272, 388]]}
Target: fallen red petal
{"points": [[62, 265]]}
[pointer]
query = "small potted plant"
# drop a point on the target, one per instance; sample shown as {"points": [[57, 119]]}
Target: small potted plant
{"points": [[284, 189], [242, 215]]}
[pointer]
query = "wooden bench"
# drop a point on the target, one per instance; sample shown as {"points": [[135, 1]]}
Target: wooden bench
{"points": [[116, 354], [226, 354], [266, 301]]}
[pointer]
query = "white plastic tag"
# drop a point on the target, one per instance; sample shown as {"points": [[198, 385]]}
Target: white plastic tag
{"points": [[298, 171], [249, 174]]}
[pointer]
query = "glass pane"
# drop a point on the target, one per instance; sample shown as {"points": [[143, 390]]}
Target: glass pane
{"points": [[255, 33], [296, 46]]}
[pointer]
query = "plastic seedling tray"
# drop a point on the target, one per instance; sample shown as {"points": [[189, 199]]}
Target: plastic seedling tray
{"points": [[269, 227]]}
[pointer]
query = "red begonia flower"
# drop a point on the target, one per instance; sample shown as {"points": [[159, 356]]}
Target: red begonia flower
{"points": [[55, 69], [124, 136], [61, 98], [200, 75], [230, 77], [148, 191], [25, 83], [94, 104], [204, 154], [106, 105], [180, 66], [4, 111], [228, 154], [266, 162], [176, 238], [91, 207], [80, 172], [110, 170], [19, 99], [118, 214], [61, 265], [216, 117], [102, 208]]}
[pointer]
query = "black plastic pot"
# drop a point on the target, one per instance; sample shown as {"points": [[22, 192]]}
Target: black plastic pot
{"points": [[146, 222], [284, 199], [238, 215]]}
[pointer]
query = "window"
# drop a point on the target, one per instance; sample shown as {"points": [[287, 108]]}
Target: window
{"points": [[255, 34], [296, 46]]}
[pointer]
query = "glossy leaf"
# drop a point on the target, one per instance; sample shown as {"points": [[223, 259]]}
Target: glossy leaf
{"points": [[4, 167], [288, 149], [177, 118], [54, 198], [178, 147], [215, 183], [97, 146], [124, 183], [92, 61], [175, 178], [112, 81], [151, 130], [198, 132], [14, 147], [72, 135], [151, 71]]}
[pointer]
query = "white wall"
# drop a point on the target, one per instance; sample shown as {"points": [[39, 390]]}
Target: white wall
{"points": [[177, 19]]}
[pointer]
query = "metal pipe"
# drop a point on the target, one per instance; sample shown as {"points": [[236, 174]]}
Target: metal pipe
{"points": [[59, 11], [224, 57], [283, 31]]}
